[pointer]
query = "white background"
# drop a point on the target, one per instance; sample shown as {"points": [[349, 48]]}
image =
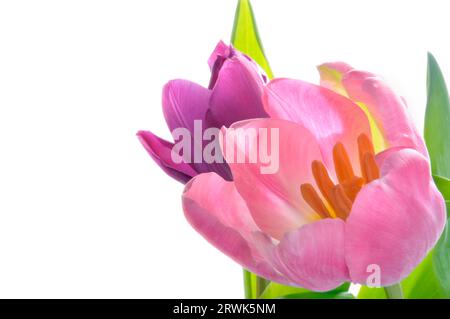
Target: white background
{"points": [[84, 211]]}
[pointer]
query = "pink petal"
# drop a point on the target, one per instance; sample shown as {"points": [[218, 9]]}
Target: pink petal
{"points": [[395, 220], [331, 76], [274, 199], [387, 108], [216, 210], [329, 116], [160, 151], [313, 256]]}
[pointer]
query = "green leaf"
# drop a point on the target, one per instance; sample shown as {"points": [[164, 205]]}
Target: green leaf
{"points": [[245, 35], [437, 120], [249, 285], [424, 283], [315, 295], [437, 133], [371, 293], [441, 259], [443, 184], [275, 290]]}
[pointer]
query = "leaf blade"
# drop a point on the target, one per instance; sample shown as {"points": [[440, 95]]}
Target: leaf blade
{"points": [[275, 290], [437, 120], [245, 36], [315, 295]]}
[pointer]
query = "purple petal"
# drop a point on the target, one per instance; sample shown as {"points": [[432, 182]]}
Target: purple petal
{"points": [[237, 93], [183, 103], [221, 53], [160, 151]]}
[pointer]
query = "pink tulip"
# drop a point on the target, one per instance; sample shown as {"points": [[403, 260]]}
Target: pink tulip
{"points": [[353, 189]]}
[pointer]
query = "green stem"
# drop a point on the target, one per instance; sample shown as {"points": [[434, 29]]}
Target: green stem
{"points": [[254, 285], [261, 285], [248, 284], [394, 291]]}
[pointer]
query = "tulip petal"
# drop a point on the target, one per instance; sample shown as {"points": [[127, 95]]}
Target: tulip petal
{"points": [[160, 151], [216, 210], [329, 116], [313, 256], [395, 220], [272, 195], [331, 76], [221, 51], [236, 94], [387, 109], [183, 103]]}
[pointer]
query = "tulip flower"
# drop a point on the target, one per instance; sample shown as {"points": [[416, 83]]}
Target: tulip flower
{"points": [[353, 190], [234, 93]]}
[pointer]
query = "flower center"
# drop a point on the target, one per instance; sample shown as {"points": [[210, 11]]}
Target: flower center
{"points": [[338, 198]]}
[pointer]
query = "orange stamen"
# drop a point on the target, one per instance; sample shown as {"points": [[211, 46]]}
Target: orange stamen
{"points": [[312, 198], [323, 180], [337, 200], [341, 202], [352, 187], [364, 146], [342, 164], [369, 168]]}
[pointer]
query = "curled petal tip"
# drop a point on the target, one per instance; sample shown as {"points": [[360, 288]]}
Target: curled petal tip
{"points": [[160, 151]]}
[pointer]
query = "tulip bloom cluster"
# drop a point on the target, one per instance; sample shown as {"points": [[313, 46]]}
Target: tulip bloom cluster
{"points": [[353, 189], [234, 94]]}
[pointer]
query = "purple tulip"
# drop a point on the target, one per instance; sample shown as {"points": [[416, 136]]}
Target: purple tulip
{"points": [[234, 94]]}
